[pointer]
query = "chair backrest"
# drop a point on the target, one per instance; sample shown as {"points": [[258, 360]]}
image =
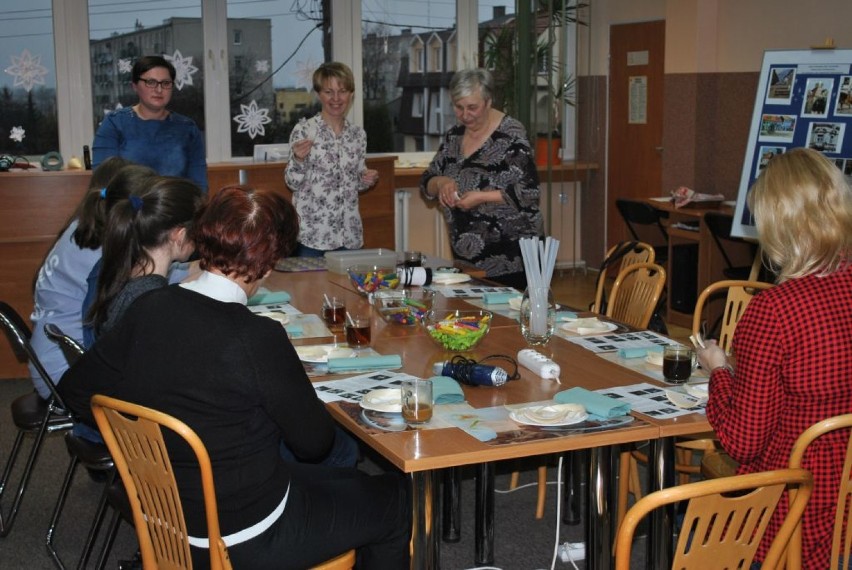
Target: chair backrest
{"points": [[841, 543], [723, 527], [134, 437], [739, 294], [636, 212], [622, 254], [19, 335], [72, 349], [635, 294]]}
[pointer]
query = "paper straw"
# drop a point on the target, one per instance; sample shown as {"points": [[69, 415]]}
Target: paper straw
{"points": [[349, 318], [327, 302]]}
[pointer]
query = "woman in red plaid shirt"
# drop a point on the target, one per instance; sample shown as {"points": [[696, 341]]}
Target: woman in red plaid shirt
{"points": [[794, 342]]}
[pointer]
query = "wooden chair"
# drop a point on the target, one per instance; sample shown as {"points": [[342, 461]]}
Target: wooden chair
{"points": [[640, 252], [739, 294], [841, 543], [635, 294], [134, 436], [725, 519], [31, 415]]}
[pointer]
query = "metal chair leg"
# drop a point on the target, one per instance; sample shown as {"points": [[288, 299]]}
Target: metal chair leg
{"points": [[7, 520], [57, 511]]}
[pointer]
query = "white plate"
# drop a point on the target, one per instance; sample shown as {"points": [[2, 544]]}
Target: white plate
{"points": [[321, 354], [280, 317], [700, 391], [550, 415], [684, 401], [450, 278], [383, 400], [589, 326]]}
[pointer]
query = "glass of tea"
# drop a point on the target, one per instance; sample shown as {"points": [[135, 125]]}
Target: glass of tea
{"points": [[333, 312], [357, 328], [416, 400], [678, 362]]}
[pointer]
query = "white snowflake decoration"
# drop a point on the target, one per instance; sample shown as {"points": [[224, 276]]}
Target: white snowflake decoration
{"points": [[261, 66], [107, 110], [18, 134], [252, 119], [27, 70], [305, 73], [125, 65], [184, 68]]}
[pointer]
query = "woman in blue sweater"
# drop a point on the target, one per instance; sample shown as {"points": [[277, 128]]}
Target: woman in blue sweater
{"points": [[147, 133]]}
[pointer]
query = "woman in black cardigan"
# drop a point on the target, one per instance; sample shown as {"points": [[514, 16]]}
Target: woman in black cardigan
{"points": [[196, 352]]}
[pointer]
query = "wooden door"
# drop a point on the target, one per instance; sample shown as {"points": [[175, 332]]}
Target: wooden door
{"points": [[635, 117]]}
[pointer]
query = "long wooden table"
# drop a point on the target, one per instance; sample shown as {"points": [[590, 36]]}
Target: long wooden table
{"points": [[423, 454]]}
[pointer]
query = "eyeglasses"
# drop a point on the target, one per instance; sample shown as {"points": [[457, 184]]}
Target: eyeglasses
{"points": [[165, 84]]}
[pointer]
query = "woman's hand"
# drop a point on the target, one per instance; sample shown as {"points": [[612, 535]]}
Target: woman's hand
{"points": [[369, 177], [473, 199], [447, 191], [712, 356], [302, 148]]}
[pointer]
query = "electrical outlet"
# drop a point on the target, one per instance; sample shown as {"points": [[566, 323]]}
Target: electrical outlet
{"points": [[575, 551]]}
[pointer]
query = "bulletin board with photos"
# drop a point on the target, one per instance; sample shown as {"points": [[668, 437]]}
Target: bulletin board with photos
{"points": [[804, 99]]}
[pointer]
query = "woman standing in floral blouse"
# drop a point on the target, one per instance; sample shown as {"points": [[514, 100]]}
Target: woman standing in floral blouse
{"points": [[326, 170], [486, 181]]}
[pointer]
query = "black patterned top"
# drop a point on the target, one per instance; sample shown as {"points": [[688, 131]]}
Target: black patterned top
{"points": [[487, 235]]}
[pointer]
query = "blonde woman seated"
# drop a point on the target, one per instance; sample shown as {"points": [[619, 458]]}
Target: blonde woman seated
{"points": [[793, 342]]}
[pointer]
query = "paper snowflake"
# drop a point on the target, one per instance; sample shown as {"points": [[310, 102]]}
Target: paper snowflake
{"points": [[27, 70], [18, 134], [261, 66], [125, 65], [184, 68], [305, 73], [252, 119]]}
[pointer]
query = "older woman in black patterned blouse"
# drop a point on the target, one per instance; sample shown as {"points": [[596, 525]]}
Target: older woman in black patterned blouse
{"points": [[485, 179]]}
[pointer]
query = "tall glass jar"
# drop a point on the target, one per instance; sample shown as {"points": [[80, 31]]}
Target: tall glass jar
{"points": [[538, 315]]}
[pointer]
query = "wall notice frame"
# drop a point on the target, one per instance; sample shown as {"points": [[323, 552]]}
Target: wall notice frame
{"points": [[804, 99]]}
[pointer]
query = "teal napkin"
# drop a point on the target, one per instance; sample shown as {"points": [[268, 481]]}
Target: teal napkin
{"points": [[595, 403], [639, 351], [446, 390], [379, 362], [492, 298], [266, 297], [565, 315]]}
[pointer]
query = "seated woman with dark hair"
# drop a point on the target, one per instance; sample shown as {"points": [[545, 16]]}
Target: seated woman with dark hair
{"points": [[196, 352]]}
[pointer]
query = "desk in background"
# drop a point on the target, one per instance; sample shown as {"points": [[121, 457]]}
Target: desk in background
{"points": [[694, 261]]}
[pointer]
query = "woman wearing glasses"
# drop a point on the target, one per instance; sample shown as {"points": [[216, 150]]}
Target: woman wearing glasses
{"points": [[149, 134], [326, 170]]}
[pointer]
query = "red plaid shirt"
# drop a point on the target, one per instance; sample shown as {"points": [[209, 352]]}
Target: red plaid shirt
{"points": [[793, 349]]}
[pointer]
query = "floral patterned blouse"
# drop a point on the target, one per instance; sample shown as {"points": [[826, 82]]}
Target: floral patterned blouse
{"points": [[326, 184], [487, 235]]}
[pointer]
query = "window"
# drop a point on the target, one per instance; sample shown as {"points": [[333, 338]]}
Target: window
{"points": [[281, 43], [120, 34], [436, 53], [271, 88], [29, 124]]}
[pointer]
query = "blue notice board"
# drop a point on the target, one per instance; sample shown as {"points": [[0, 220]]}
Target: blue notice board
{"points": [[804, 99]]}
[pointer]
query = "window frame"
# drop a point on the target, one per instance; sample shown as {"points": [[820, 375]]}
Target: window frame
{"points": [[73, 67]]}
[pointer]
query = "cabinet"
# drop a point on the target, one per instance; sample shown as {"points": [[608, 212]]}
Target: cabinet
{"points": [[34, 206]]}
